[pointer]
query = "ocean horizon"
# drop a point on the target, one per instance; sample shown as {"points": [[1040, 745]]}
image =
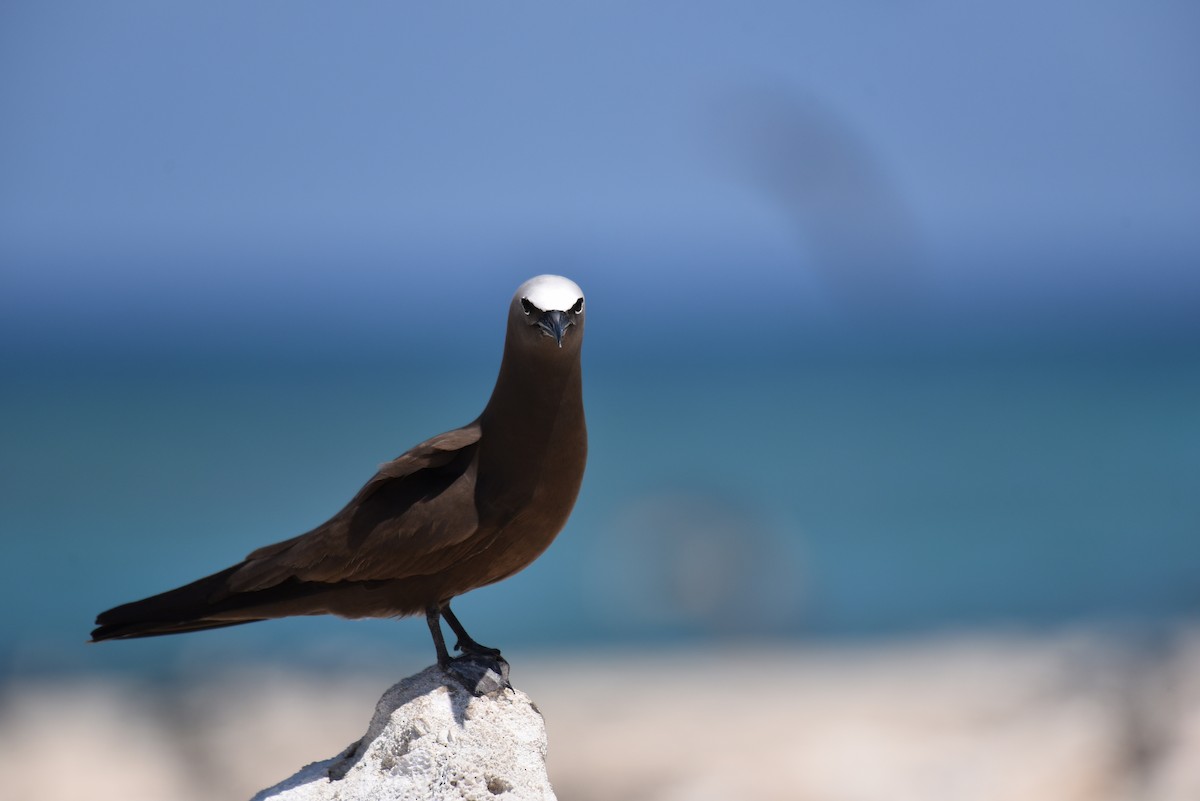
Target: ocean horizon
{"points": [[792, 497]]}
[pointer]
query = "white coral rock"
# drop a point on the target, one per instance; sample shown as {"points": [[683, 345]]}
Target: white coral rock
{"points": [[432, 740]]}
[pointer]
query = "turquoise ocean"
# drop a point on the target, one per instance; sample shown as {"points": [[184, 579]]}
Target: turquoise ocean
{"points": [[794, 497]]}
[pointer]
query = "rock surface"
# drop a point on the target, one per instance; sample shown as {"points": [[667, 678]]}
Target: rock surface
{"points": [[431, 739]]}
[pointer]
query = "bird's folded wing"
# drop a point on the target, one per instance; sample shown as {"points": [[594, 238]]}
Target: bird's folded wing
{"points": [[414, 517]]}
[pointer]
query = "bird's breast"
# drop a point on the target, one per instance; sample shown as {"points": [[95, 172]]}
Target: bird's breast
{"points": [[528, 502]]}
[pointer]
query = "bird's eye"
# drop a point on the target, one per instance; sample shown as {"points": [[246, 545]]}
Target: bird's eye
{"points": [[578, 307], [527, 306]]}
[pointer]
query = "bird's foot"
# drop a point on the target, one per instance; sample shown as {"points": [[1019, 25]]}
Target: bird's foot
{"points": [[468, 647], [481, 674]]}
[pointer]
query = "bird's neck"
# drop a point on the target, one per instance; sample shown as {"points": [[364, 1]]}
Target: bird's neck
{"points": [[535, 400], [533, 439]]}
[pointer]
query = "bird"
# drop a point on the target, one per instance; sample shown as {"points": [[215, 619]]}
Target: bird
{"points": [[459, 511]]}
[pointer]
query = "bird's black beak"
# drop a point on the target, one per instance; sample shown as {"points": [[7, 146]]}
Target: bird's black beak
{"points": [[555, 323]]}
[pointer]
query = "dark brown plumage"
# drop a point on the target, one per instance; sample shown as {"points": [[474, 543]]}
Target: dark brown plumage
{"points": [[467, 508]]}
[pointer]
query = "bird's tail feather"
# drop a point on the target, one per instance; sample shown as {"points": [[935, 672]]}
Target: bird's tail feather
{"points": [[188, 608], [131, 631]]}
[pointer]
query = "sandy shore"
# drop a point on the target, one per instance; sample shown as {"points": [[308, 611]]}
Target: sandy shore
{"points": [[987, 718]]}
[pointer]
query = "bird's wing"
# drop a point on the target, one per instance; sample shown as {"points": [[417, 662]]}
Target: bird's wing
{"points": [[412, 518]]}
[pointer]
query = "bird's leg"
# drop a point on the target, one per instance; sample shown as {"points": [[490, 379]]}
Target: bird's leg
{"points": [[480, 669], [465, 643], [434, 619]]}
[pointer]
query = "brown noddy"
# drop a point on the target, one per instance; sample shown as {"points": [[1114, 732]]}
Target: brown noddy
{"points": [[467, 508]]}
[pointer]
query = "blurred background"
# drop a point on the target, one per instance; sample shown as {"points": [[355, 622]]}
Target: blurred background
{"points": [[892, 375]]}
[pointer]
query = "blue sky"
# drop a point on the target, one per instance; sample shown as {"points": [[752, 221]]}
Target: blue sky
{"points": [[253, 170]]}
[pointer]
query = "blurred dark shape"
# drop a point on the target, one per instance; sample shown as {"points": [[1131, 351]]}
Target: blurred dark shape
{"points": [[830, 183], [682, 562]]}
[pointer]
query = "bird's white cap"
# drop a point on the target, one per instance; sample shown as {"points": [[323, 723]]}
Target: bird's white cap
{"points": [[550, 292]]}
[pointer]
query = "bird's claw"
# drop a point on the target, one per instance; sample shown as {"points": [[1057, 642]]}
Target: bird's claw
{"points": [[472, 648], [480, 674]]}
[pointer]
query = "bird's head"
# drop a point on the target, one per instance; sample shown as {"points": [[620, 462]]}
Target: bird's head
{"points": [[548, 311]]}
